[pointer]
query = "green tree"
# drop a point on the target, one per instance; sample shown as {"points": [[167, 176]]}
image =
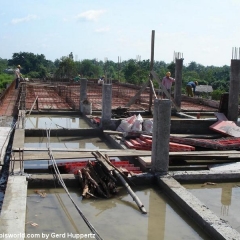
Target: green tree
{"points": [[66, 69], [216, 94], [87, 68], [129, 70], [171, 68], [3, 64], [5, 79], [28, 61]]}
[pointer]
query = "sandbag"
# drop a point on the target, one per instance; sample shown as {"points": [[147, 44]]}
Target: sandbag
{"points": [[148, 125], [137, 125], [126, 124]]}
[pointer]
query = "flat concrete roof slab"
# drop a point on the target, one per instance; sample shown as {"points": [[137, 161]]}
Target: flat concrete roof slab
{"points": [[214, 226]]}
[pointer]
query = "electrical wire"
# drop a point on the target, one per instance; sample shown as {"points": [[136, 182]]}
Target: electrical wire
{"points": [[59, 177]]}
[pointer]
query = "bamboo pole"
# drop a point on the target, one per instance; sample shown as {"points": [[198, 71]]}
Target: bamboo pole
{"points": [[104, 159]]}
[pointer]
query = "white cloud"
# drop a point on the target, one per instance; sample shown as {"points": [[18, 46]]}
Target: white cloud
{"points": [[101, 30], [236, 2], [25, 19], [65, 19], [91, 15]]}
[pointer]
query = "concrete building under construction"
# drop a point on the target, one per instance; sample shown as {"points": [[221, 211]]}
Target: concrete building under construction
{"points": [[193, 140]]}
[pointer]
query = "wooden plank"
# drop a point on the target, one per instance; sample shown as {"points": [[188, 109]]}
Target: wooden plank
{"points": [[225, 167], [188, 168], [132, 151], [204, 136], [205, 153], [133, 99], [78, 155], [110, 132], [145, 161], [36, 99], [43, 149], [152, 88]]}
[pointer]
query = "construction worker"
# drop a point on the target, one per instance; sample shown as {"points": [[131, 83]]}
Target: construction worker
{"points": [[77, 78], [167, 83], [190, 88], [18, 76], [101, 80]]}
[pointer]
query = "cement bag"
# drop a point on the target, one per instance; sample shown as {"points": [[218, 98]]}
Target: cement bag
{"points": [[137, 125], [131, 119], [126, 124], [148, 125]]}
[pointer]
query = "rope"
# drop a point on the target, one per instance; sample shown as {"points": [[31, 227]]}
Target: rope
{"points": [[54, 163]]}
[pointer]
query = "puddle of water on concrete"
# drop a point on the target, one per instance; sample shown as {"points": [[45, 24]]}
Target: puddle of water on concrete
{"points": [[222, 199], [64, 143], [115, 218], [55, 121], [67, 142]]}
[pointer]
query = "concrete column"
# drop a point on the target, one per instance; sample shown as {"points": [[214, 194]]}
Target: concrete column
{"points": [[178, 82], [83, 92], [234, 90], [106, 106], [161, 135]]}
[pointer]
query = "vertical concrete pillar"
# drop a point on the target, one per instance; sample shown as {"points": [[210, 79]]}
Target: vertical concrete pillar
{"points": [[83, 92], [234, 90], [106, 106], [178, 82], [161, 135]]}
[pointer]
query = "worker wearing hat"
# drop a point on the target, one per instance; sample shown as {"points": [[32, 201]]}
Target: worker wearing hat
{"points": [[167, 83], [191, 87], [17, 75]]}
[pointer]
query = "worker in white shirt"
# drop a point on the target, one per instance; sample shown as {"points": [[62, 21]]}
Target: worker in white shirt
{"points": [[18, 76]]}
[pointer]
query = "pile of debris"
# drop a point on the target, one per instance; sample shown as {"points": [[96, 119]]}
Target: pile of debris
{"points": [[97, 181]]}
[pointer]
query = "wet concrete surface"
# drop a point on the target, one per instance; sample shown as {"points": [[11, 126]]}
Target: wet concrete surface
{"points": [[64, 143], [114, 218], [123, 223], [55, 121], [221, 198]]}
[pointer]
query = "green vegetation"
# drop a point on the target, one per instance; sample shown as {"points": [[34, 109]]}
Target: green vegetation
{"points": [[4, 80], [130, 71]]}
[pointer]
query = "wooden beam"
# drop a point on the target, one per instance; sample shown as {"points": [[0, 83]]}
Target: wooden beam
{"points": [[133, 99], [29, 156], [36, 100], [152, 88]]}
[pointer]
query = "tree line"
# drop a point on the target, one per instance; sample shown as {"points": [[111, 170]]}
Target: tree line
{"points": [[132, 71]]}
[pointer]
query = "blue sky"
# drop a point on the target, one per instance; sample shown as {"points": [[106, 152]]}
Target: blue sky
{"points": [[204, 31]]}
